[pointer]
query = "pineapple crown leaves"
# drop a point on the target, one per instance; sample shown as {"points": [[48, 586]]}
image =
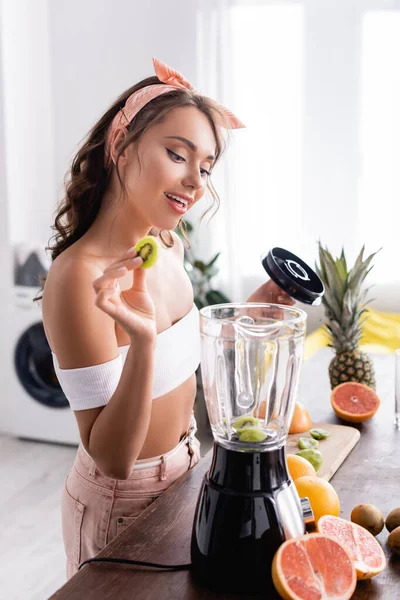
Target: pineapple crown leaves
{"points": [[339, 279], [361, 269], [330, 276], [344, 301]]}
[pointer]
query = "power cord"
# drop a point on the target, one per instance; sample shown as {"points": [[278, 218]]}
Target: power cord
{"points": [[126, 561]]}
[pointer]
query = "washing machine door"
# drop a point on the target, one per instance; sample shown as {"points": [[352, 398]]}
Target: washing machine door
{"points": [[35, 370]]}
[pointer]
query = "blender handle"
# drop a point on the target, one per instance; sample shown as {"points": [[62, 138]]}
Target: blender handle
{"points": [[308, 514]]}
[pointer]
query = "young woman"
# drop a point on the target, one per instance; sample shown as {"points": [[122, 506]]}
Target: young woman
{"points": [[125, 340]]}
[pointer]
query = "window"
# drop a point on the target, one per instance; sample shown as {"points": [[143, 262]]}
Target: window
{"points": [[267, 87], [379, 188]]}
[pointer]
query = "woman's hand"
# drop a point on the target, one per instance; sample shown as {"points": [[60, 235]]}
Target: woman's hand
{"points": [[269, 292], [132, 309]]}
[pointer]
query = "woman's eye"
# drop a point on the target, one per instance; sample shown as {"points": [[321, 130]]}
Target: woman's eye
{"points": [[175, 156]]}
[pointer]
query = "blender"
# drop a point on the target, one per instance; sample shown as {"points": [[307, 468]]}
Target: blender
{"points": [[248, 504]]}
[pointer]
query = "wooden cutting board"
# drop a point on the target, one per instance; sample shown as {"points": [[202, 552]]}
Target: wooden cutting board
{"points": [[334, 448]]}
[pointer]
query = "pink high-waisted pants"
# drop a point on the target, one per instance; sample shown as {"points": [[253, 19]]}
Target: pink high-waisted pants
{"points": [[96, 508]]}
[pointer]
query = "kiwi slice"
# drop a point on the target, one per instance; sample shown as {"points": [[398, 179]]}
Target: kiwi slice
{"points": [[252, 434], [244, 423], [319, 434], [307, 443], [147, 249], [313, 456]]}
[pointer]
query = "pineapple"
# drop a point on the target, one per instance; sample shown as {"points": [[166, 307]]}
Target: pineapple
{"points": [[345, 305]]}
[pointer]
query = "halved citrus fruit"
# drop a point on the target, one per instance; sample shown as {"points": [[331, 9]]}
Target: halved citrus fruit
{"points": [[299, 466], [301, 420], [364, 550], [354, 402], [321, 495], [313, 567]]}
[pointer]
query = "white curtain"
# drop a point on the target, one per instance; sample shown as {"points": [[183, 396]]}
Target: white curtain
{"points": [[318, 87]]}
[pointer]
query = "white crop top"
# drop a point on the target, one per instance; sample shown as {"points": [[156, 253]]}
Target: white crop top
{"points": [[177, 356]]}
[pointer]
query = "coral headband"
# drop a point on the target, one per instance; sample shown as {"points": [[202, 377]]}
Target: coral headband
{"points": [[172, 80]]}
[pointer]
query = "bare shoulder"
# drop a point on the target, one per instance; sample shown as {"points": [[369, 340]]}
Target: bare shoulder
{"points": [[69, 279], [78, 332]]}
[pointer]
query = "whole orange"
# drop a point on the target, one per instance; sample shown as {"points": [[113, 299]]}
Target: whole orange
{"points": [[301, 420], [299, 466], [321, 495]]}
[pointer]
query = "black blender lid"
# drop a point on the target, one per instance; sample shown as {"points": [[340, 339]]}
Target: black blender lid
{"points": [[293, 276]]}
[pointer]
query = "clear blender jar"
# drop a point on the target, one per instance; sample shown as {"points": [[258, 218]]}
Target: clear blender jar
{"points": [[251, 357], [248, 504]]}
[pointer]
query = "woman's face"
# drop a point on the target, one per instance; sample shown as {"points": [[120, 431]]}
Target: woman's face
{"points": [[176, 158]]}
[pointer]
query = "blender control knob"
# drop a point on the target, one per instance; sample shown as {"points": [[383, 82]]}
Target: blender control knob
{"points": [[308, 514]]}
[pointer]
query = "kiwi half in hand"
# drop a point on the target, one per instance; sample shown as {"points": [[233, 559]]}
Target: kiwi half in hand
{"points": [[147, 249]]}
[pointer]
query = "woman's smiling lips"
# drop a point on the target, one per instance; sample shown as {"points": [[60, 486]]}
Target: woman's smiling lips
{"points": [[178, 202]]}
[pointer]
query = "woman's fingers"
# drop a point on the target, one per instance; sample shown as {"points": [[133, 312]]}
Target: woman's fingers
{"points": [[112, 273], [104, 300], [131, 253], [139, 283], [284, 298], [109, 278], [129, 263]]}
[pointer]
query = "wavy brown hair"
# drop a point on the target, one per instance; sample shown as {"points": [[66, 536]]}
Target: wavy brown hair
{"points": [[88, 177]]}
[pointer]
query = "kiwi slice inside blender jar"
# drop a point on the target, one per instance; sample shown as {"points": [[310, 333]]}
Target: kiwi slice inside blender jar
{"points": [[252, 434], [244, 423]]}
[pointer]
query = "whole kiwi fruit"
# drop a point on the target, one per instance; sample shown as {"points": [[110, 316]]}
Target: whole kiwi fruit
{"points": [[394, 541], [393, 519], [369, 517]]}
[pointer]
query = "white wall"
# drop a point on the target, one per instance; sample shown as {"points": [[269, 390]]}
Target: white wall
{"points": [[28, 119], [106, 50], [64, 63], [5, 279]]}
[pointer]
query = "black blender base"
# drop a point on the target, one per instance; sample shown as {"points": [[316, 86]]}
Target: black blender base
{"points": [[234, 554], [237, 528]]}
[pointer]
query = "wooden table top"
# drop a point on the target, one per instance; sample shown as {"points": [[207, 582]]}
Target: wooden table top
{"points": [[162, 534]]}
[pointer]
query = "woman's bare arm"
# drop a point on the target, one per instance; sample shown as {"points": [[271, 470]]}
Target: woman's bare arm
{"points": [[83, 334]]}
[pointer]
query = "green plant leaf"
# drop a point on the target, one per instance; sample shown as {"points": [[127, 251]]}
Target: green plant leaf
{"points": [[188, 226], [199, 302], [210, 264], [200, 266], [216, 297]]}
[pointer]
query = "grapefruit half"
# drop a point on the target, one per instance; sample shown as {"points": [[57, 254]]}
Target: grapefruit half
{"points": [[365, 551], [312, 567], [354, 402]]}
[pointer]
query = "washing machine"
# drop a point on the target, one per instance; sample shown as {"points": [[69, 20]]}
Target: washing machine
{"points": [[40, 409]]}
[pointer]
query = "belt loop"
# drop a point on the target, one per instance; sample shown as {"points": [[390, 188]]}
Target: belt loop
{"points": [[163, 468], [92, 468], [189, 443]]}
